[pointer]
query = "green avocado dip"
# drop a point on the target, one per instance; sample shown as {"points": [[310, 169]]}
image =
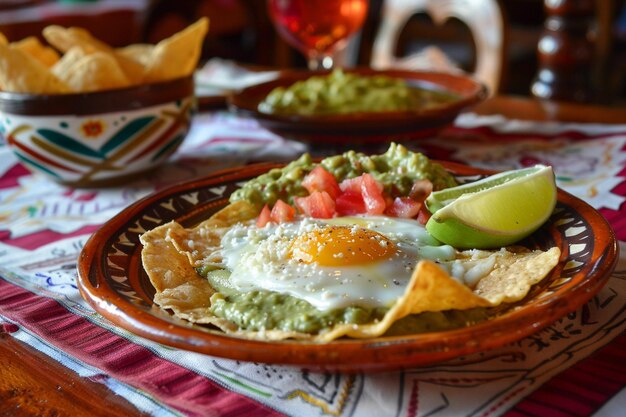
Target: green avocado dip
{"points": [[266, 310], [397, 169], [342, 93]]}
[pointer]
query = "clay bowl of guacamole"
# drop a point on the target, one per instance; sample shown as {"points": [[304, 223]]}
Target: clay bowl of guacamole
{"points": [[358, 106]]}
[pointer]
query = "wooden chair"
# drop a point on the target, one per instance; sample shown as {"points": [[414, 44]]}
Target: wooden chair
{"points": [[483, 18]]}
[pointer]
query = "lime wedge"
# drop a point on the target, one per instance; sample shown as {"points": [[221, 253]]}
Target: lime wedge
{"points": [[496, 211]]}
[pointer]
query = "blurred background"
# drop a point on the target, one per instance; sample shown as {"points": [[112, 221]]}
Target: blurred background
{"points": [[572, 50]]}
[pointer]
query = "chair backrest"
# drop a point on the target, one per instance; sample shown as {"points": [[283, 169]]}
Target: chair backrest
{"points": [[483, 18]]}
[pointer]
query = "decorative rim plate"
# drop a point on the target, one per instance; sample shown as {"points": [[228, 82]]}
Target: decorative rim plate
{"points": [[112, 280], [363, 127]]}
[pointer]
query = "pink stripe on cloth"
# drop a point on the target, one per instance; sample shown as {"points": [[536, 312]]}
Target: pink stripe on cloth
{"points": [[617, 218], [581, 390], [174, 385], [34, 241], [11, 177]]}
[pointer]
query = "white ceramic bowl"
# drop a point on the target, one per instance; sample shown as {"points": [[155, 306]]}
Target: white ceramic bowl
{"points": [[99, 138]]}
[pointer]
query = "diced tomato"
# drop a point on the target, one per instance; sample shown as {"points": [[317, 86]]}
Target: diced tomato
{"points": [[351, 185], [321, 180], [423, 214], [403, 207], [372, 192], [349, 204], [264, 217], [318, 205], [282, 212], [420, 190]]}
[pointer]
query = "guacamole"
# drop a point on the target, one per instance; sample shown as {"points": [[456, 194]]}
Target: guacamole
{"points": [[345, 93], [264, 310], [397, 169], [260, 310]]}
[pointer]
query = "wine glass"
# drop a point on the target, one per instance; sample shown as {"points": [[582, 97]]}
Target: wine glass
{"points": [[318, 28]]}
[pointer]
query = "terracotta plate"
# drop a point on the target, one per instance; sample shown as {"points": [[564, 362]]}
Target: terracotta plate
{"points": [[111, 279], [364, 127]]}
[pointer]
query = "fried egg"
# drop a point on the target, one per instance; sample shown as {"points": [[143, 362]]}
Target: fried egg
{"points": [[335, 263]]}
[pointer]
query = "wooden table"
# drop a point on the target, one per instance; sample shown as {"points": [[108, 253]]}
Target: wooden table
{"points": [[33, 384]]}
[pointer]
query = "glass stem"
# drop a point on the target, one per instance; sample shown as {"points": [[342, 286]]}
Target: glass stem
{"points": [[318, 61]]}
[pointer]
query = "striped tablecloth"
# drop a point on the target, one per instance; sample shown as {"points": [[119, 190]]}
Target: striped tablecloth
{"points": [[575, 367]]}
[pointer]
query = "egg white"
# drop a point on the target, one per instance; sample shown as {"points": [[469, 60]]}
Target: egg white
{"points": [[258, 260]]}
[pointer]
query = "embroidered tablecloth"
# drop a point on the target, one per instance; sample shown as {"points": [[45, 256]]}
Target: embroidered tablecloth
{"points": [[577, 366]]}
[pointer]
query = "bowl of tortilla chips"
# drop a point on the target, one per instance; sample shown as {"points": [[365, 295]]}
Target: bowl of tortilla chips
{"points": [[85, 114], [206, 266]]}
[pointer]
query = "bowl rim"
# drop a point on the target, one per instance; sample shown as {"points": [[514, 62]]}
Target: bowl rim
{"points": [[97, 102]]}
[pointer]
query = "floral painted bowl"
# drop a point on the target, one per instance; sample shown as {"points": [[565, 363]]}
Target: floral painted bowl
{"points": [[99, 138]]}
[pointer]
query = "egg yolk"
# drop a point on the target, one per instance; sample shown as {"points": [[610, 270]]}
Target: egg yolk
{"points": [[341, 245]]}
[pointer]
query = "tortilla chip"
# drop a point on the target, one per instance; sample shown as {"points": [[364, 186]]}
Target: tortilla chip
{"points": [[64, 39], [232, 214], [178, 287], [33, 47], [178, 55], [3, 39], [172, 252], [21, 73], [514, 274], [94, 72], [67, 61], [170, 263], [138, 52], [198, 244], [201, 242]]}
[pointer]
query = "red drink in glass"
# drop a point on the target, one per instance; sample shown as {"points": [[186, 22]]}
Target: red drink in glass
{"points": [[317, 27]]}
